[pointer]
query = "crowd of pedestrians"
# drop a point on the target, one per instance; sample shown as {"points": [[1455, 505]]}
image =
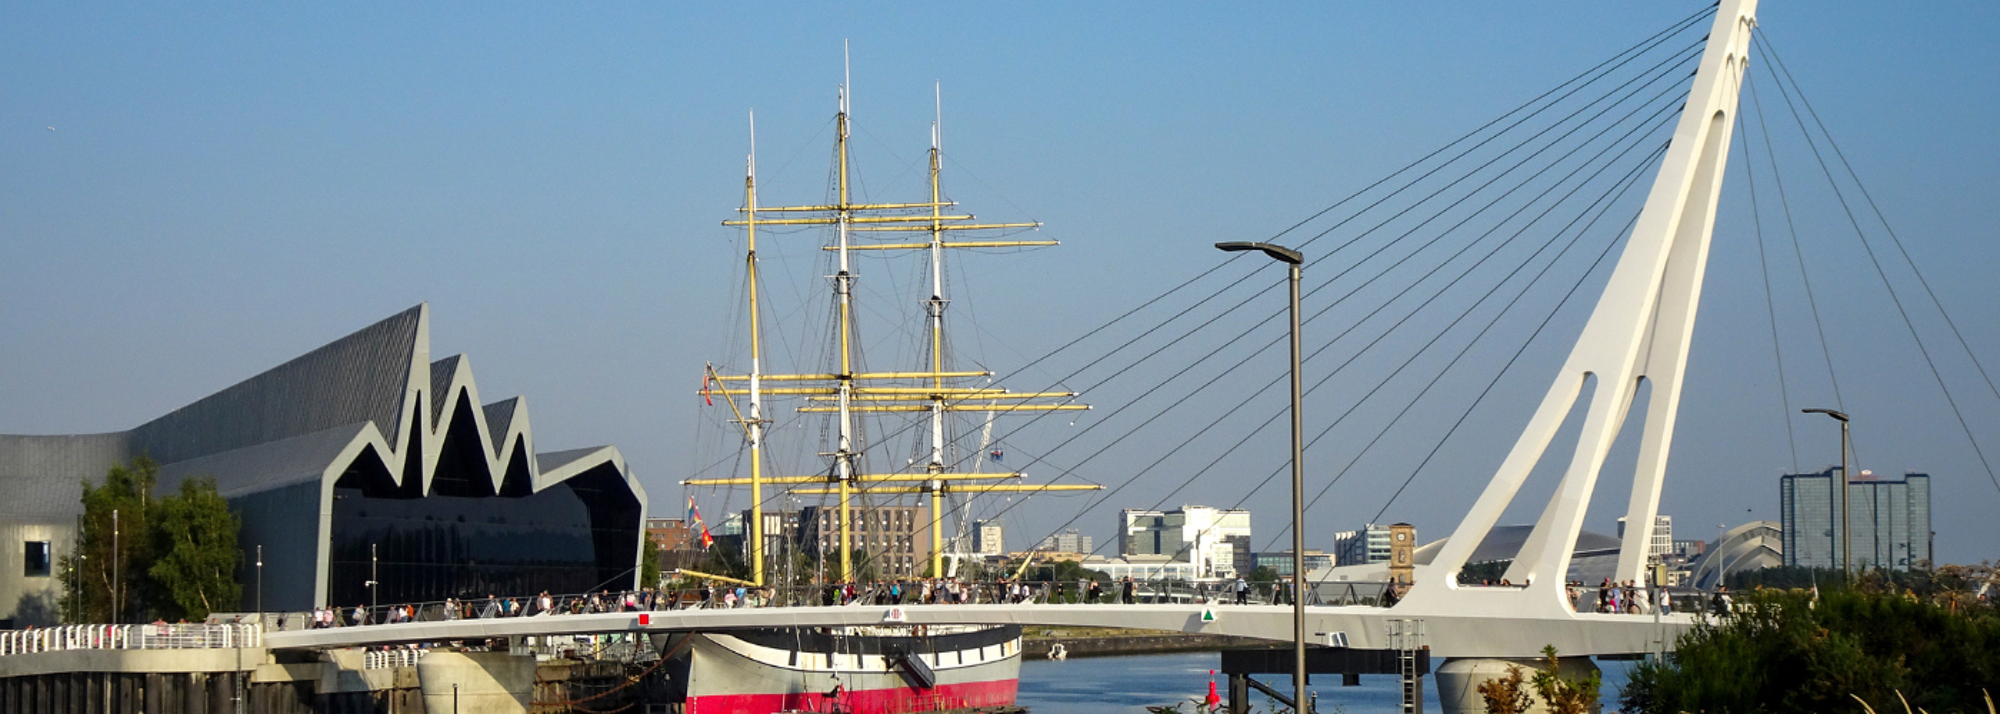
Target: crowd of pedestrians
{"points": [[1610, 597]]}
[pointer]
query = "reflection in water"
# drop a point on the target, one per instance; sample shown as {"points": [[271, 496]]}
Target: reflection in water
{"points": [[1127, 685]]}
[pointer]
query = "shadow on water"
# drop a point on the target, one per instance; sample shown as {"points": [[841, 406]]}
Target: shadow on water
{"points": [[1127, 685]]}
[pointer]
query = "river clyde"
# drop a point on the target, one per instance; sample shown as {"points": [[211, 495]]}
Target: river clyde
{"points": [[1127, 685]]}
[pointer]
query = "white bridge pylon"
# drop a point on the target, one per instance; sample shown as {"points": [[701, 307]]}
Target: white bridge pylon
{"points": [[1637, 334]]}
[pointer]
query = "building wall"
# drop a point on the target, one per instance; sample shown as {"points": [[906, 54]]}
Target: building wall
{"points": [[1208, 538], [897, 539], [1891, 520]]}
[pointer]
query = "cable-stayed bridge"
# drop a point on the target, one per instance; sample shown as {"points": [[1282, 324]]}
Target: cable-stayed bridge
{"points": [[1634, 345]]}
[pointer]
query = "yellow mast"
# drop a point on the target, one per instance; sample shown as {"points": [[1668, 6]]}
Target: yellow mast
{"points": [[755, 422], [843, 286]]}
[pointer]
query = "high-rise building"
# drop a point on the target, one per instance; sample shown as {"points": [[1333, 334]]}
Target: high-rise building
{"points": [[1208, 538], [1371, 544], [1661, 544], [1891, 520], [1068, 541], [989, 537]]}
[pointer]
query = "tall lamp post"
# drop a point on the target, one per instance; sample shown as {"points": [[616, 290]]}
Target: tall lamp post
{"points": [[1846, 535], [1293, 260]]}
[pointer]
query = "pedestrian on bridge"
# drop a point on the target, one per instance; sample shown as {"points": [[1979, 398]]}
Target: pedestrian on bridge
{"points": [[1126, 591], [1095, 593]]}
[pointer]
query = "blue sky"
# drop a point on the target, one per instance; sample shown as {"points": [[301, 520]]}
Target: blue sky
{"points": [[191, 193]]}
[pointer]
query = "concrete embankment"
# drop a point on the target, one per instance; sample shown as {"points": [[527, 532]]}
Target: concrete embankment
{"points": [[1105, 642]]}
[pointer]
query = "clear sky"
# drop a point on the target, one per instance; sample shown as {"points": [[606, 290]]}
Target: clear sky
{"points": [[191, 193]]}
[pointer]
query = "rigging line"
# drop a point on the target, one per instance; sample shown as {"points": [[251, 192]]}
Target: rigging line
{"points": [[1770, 302], [1877, 210], [1601, 205], [1641, 48], [1883, 274], [1615, 189], [1784, 202], [1510, 364], [1371, 280]]}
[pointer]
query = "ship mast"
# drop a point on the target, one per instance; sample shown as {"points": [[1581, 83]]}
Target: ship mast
{"points": [[855, 392]]}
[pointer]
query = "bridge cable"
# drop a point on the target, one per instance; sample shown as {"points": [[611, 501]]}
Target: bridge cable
{"points": [[1883, 274], [1371, 255], [1363, 319], [1617, 188], [1798, 250], [1489, 183], [1770, 302]]}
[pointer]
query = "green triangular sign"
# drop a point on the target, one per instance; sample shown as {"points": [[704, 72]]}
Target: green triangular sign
{"points": [[1207, 615]]}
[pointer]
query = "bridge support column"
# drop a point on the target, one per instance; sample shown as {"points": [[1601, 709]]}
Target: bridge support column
{"points": [[476, 682], [1458, 681], [1239, 694]]}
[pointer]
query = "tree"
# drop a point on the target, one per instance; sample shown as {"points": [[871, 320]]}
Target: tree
{"points": [[194, 540], [109, 581], [1807, 651], [649, 564]]}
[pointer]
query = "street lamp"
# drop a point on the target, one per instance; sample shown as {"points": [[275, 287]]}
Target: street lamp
{"points": [[260, 585], [1846, 535], [1293, 260]]}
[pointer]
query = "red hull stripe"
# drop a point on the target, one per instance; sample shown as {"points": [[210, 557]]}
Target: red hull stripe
{"points": [[897, 700]]}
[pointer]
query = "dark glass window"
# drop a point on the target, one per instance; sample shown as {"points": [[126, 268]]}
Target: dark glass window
{"points": [[38, 560], [574, 536]]}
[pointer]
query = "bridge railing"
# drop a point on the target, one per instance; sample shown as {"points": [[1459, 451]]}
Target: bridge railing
{"points": [[131, 637], [876, 593]]}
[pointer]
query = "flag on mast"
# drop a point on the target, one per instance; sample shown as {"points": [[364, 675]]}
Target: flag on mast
{"points": [[695, 524]]}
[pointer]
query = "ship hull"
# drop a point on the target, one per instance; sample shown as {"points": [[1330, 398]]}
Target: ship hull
{"points": [[859, 671]]}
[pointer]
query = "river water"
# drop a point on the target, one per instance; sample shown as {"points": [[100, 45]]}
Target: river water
{"points": [[1127, 685]]}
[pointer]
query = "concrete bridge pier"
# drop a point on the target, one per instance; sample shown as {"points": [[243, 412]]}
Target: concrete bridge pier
{"points": [[476, 682], [1458, 680]]}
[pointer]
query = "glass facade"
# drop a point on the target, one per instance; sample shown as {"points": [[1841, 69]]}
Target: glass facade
{"points": [[1891, 521], [578, 535]]}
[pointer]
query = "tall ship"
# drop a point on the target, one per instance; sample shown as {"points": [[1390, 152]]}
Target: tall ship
{"points": [[867, 533]]}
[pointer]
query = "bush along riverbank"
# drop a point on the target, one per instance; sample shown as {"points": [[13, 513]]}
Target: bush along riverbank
{"points": [[1820, 650]]}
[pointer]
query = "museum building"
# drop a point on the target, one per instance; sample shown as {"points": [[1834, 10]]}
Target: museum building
{"points": [[363, 460]]}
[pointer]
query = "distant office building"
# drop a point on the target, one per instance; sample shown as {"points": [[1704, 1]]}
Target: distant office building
{"points": [[989, 537], [1068, 541], [1662, 542], [895, 539], [1891, 520], [1281, 561], [1210, 539], [1368, 545]]}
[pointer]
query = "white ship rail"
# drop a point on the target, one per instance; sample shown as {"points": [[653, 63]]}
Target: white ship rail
{"points": [[178, 636]]}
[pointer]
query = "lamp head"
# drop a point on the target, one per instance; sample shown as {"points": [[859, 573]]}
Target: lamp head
{"points": [[1277, 252], [1829, 412]]}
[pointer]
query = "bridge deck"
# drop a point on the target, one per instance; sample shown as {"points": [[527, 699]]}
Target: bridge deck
{"points": [[1449, 634]]}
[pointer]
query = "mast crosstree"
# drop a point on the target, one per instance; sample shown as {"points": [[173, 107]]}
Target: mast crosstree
{"points": [[935, 389]]}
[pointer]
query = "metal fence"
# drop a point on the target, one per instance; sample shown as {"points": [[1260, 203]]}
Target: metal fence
{"points": [[131, 637]]}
